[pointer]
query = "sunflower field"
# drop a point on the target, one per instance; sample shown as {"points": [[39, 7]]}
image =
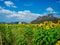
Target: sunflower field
{"points": [[47, 33]]}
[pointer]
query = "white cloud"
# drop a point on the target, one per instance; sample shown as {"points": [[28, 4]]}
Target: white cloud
{"points": [[55, 12], [25, 15], [10, 4], [49, 9]]}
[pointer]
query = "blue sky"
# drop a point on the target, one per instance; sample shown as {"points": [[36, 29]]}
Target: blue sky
{"points": [[27, 10]]}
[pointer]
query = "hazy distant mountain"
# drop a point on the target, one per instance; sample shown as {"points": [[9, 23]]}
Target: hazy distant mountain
{"points": [[50, 17], [13, 22]]}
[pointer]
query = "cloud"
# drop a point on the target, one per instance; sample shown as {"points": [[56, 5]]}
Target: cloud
{"points": [[49, 9], [10, 4], [55, 12], [25, 15]]}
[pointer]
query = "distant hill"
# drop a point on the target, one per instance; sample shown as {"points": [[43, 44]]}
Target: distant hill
{"points": [[50, 17], [13, 22]]}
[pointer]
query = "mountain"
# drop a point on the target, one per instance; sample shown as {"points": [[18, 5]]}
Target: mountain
{"points": [[13, 22], [50, 17]]}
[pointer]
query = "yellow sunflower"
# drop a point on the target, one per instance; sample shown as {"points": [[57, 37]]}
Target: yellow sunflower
{"points": [[46, 23], [19, 24], [27, 25], [7, 25], [53, 25], [34, 29], [58, 21], [35, 25], [19, 29], [58, 42], [47, 27], [50, 22], [40, 25]]}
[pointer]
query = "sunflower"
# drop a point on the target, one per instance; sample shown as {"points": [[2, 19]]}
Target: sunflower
{"points": [[47, 27], [27, 25], [19, 29], [53, 25], [34, 29], [35, 25], [58, 42], [58, 21], [40, 25], [46, 23], [19, 24], [50, 22], [7, 25]]}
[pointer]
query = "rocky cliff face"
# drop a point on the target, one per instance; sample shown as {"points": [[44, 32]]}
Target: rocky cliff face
{"points": [[50, 17]]}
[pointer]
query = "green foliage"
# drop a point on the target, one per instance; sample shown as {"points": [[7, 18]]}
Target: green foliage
{"points": [[23, 35]]}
